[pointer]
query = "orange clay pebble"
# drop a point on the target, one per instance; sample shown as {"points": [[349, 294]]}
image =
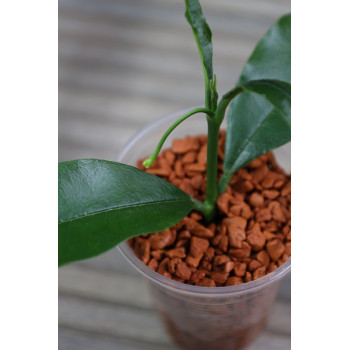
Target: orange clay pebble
{"points": [[172, 264], [202, 155], [229, 266], [275, 249], [235, 210], [176, 253], [239, 269], [263, 215], [153, 264], [196, 181], [288, 249], [183, 271], [184, 235], [243, 252], [209, 254], [181, 243], [197, 229], [272, 226], [164, 164], [254, 264], [184, 145], [263, 257], [269, 235], [169, 156], [219, 276], [256, 238], [244, 174], [215, 241], [248, 277], [196, 216], [286, 189], [198, 246], [236, 236], [256, 200], [221, 260], [256, 163], [185, 186], [272, 267], [158, 171], [206, 265], [197, 276], [278, 184], [206, 282], [142, 249], [157, 254], [160, 240], [179, 169], [189, 157], [212, 226], [260, 173], [192, 169], [247, 186], [194, 262], [234, 281], [237, 221], [259, 272], [270, 194], [163, 267], [276, 211], [223, 244], [269, 180], [223, 202]]}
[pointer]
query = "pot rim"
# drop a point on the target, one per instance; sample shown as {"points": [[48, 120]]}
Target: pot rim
{"points": [[179, 287]]}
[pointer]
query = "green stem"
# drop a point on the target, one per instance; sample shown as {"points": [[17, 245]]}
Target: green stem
{"points": [[149, 161], [208, 208], [225, 100], [212, 169]]}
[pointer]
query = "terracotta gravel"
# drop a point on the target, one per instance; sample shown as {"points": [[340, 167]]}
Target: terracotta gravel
{"points": [[251, 236]]}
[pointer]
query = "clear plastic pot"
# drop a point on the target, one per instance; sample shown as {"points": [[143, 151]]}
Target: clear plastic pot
{"points": [[204, 318]]}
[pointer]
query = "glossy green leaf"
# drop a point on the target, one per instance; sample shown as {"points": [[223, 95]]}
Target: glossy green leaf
{"points": [[103, 203], [202, 34], [259, 121], [266, 124], [277, 92], [271, 58]]}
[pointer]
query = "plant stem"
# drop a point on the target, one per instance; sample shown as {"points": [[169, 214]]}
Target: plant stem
{"points": [[208, 208], [225, 100], [149, 161], [212, 169]]}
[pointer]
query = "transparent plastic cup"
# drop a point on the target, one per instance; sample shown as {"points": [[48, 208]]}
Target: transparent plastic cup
{"points": [[204, 318]]}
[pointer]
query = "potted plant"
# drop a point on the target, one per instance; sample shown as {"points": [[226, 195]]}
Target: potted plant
{"points": [[103, 203]]}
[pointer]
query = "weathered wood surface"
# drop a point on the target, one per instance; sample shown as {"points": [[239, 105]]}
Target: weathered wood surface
{"points": [[123, 63]]}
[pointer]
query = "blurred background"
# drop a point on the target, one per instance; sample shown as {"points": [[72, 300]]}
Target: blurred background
{"points": [[122, 64]]}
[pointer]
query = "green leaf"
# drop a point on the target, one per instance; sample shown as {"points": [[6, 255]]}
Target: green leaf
{"points": [[103, 203], [271, 58], [277, 92], [257, 123], [202, 35], [265, 125]]}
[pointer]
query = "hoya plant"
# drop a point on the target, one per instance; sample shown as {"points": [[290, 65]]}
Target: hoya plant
{"points": [[102, 203]]}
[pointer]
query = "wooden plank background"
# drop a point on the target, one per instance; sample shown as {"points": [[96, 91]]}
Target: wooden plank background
{"points": [[123, 63]]}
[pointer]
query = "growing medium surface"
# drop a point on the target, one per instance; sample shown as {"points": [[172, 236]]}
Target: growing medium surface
{"points": [[251, 235]]}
